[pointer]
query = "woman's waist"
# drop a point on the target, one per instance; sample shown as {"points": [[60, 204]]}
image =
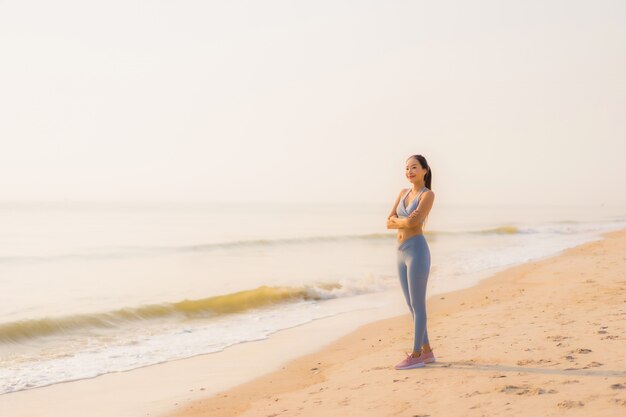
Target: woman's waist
{"points": [[408, 232], [419, 237]]}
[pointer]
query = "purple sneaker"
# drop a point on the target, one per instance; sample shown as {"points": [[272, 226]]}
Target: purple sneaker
{"points": [[411, 362]]}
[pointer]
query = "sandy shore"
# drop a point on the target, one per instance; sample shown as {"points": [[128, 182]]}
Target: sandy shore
{"points": [[543, 338]]}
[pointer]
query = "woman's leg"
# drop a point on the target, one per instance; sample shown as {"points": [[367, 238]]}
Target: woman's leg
{"points": [[404, 283], [418, 269]]}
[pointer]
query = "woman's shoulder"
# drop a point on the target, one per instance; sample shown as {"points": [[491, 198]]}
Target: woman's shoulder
{"points": [[427, 191]]}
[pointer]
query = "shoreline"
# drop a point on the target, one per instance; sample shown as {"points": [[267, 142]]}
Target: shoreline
{"points": [[518, 372], [179, 381], [180, 388]]}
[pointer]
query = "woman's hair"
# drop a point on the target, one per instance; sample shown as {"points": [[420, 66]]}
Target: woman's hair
{"points": [[429, 175]]}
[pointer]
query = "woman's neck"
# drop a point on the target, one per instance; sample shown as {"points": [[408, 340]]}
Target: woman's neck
{"points": [[418, 187]]}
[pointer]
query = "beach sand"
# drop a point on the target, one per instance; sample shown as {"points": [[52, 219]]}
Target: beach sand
{"points": [[543, 338]]}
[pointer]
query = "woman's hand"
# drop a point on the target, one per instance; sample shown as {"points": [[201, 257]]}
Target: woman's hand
{"points": [[392, 222]]}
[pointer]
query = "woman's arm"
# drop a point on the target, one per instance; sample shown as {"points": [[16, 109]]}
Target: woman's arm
{"points": [[418, 215], [393, 209]]}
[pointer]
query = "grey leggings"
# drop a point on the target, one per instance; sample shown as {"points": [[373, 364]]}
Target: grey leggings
{"points": [[413, 268]]}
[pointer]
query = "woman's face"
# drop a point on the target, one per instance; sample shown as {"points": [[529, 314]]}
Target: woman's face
{"points": [[414, 171]]}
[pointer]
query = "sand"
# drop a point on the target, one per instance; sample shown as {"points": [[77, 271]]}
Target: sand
{"points": [[542, 338]]}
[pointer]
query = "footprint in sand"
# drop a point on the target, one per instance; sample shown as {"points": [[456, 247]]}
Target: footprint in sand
{"points": [[345, 401], [570, 404], [533, 362], [401, 380], [557, 338], [526, 390], [593, 365], [376, 368], [471, 394]]}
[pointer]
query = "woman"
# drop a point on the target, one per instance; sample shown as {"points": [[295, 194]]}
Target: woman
{"points": [[408, 215]]}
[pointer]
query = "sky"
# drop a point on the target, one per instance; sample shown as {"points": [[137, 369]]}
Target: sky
{"points": [[516, 102]]}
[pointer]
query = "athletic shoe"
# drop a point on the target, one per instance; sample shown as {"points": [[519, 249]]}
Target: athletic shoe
{"points": [[428, 357], [411, 362]]}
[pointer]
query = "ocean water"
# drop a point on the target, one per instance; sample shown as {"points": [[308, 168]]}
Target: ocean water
{"points": [[92, 288]]}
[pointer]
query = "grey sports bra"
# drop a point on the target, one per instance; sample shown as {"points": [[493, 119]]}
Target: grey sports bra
{"points": [[403, 211]]}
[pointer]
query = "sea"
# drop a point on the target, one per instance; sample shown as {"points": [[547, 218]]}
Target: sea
{"points": [[91, 288]]}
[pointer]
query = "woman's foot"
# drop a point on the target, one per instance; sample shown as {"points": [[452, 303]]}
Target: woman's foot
{"points": [[428, 357], [411, 362]]}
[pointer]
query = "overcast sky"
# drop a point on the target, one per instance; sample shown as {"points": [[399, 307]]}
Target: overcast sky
{"points": [[510, 101]]}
